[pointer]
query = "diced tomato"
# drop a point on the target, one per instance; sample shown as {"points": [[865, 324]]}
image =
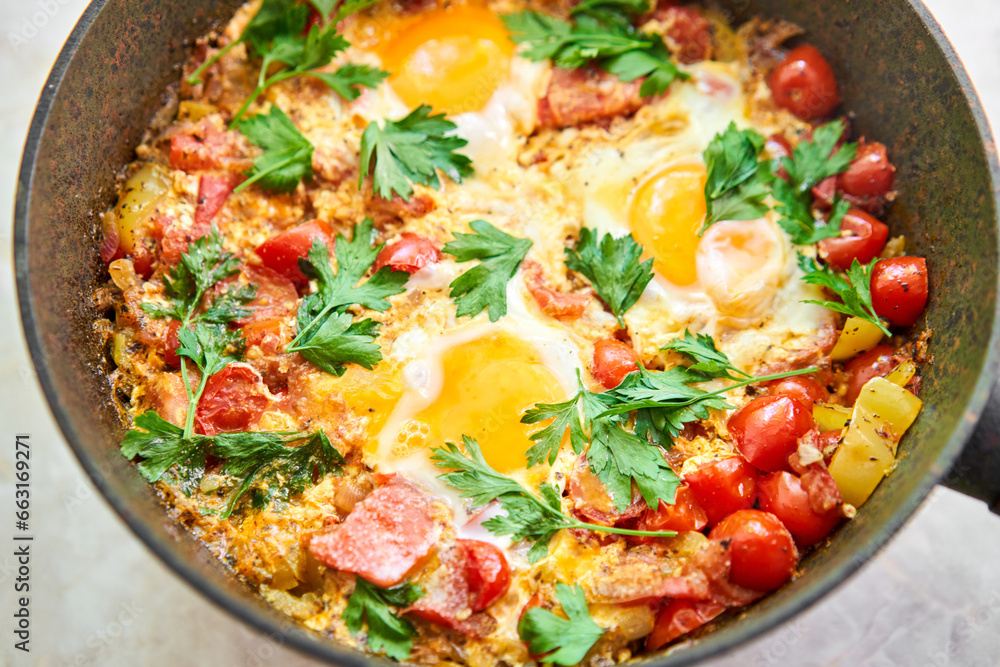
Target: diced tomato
{"points": [[213, 191], [688, 35], [171, 344], [899, 289], [281, 253], [724, 486], [767, 429], [265, 334], [680, 617], [685, 514], [487, 571], [384, 537], [871, 174], [783, 495], [862, 238], [802, 388], [804, 84], [234, 400], [876, 362], [276, 295], [216, 150], [586, 95], [613, 360], [553, 303], [763, 551], [410, 253]]}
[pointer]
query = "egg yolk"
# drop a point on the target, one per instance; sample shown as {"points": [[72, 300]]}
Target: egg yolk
{"points": [[666, 213], [451, 58], [372, 394], [488, 384]]}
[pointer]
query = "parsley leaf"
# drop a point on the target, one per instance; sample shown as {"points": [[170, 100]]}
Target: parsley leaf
{"points": [[701, 349], [327, 335], [613, 267], [528, 517], [737, 182], [162, 446], [484, 286], [854, 290], [387, 631], [618, 458], [570, 638], [287, 156], [652, 62], [410, 151], [611, 12], [567, 417]]}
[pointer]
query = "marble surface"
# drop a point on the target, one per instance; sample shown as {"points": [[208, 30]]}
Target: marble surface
{"points": [[930, 599]]}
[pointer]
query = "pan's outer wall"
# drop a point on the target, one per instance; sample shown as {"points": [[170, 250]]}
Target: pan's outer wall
{"points": [[104, 90]]}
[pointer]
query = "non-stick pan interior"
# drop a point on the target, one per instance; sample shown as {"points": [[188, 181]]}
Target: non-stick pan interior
{"points": [[897, 73]]}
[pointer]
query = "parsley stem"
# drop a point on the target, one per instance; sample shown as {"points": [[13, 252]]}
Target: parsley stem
{"points": [[621, 531], [193, 400], [195, 77], [638, 405], [258, 91]]}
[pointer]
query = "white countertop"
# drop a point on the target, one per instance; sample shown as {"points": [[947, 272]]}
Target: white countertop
{"points": [[930, 599]]}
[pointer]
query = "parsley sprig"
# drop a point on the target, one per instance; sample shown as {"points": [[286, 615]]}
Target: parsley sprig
{"points": [[570, 638], [287, 156], [484, 286], [528, 517], [328, 336], [387, 631], [738, 183], [613, 267], [601, 32], [854, 290], [411, 150]]}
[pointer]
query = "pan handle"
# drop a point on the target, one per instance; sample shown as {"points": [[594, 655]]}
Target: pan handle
{"points": [[977, 470]]}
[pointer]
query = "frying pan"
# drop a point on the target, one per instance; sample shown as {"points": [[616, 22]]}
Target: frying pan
{"points": [[899, 75]]}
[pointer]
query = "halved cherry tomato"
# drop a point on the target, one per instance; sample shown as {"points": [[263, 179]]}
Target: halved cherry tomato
{"points": [[613, 360], [783, 495], [804, 84], [487, 571], [171, 344], [722, 487], [767, 429], [234, 400], [281, 253], [803, 388], [762, 550], [876, 362], [870, 174], [685, 514], [410, 253], [862, 239], [899, 289], [679, 618]]}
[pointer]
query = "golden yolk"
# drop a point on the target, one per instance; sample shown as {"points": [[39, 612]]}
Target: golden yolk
{"points": [[451, 58], [372, 394], [667, 211], [488, 384]]}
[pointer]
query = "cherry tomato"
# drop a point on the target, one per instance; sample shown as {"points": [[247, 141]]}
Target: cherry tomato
{"points": [[804, 84], [679, 618], [763, 551], [899, 289], [233, 400], [864, 239], [613, 360], [487, 571], [767, 429], [876, 362], [281, 253], [722, 487], [685, 514], [783, 495], [802, 388], [870, 174], [410, 253], [171, 344]]}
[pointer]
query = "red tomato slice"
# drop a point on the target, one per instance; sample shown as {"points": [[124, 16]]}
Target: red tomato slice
{"points": [[680, 617], [876, 362], [685, 514], [762, 550], [783, 495], [863, 239], [613, 360], [213, 191], [234, 400], [410, 253], [804, 84], [281, 253], [487, 571], [171, 344], [724, 486], [767, 429], [899, 289], [802, 388]]}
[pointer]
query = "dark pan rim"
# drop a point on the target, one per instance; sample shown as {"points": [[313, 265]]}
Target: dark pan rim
{"points": [[311, 643]]}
